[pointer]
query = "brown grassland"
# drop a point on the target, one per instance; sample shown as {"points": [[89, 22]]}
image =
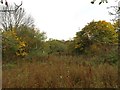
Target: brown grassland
{"points": [[60, 72]]}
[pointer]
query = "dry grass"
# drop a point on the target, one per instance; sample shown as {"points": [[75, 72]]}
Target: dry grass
{"points": [[60, 72]]}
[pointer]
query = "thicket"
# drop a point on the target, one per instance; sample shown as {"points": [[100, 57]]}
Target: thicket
{"points": [[22, 42], [98, 38]]}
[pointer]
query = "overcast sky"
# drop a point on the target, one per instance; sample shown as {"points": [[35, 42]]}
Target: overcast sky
{"points": [[61, 19]]}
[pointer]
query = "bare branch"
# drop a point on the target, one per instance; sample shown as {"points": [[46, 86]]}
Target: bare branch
{"points": [[115, 11], [102, 1], [17, 6], [111, 13], [11, 10], [2, 1], [14, 16]]}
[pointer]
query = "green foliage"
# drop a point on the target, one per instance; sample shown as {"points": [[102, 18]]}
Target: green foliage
{"points": [[116, 24], [70, 47], [21, 42], [34, 39], [110, 56], [13, 45], [56, 47], [95, 32]]}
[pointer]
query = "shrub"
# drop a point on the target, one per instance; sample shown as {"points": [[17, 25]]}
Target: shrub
{"points": [[22, 42]]}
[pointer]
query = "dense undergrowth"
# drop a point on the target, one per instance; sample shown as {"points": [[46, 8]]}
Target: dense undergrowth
{"points": [[60, 72]]}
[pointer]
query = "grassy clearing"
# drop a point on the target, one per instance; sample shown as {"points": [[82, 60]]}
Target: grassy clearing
{"points": [[60, 72]]}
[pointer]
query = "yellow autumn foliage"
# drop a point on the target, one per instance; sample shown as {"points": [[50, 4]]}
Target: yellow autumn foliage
{"points": [[12, 40]]}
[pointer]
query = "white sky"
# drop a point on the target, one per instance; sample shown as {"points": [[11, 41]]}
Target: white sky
{"points": [[61, 19]]}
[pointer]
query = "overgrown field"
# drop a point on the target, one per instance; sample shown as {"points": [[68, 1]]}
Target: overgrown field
{"points": [[31, 60], [60, 72]]}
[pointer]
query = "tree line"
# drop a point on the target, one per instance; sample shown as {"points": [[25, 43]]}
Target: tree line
{"points": [[22, 40]]}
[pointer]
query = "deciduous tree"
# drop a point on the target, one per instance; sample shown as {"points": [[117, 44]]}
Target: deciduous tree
{"points": [[95, 32]]}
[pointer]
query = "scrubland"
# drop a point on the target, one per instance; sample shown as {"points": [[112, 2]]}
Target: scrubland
{"points": [[60, 72]]}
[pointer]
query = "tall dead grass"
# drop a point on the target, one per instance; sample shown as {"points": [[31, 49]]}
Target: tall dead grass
{"points": [[60, 72]]}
